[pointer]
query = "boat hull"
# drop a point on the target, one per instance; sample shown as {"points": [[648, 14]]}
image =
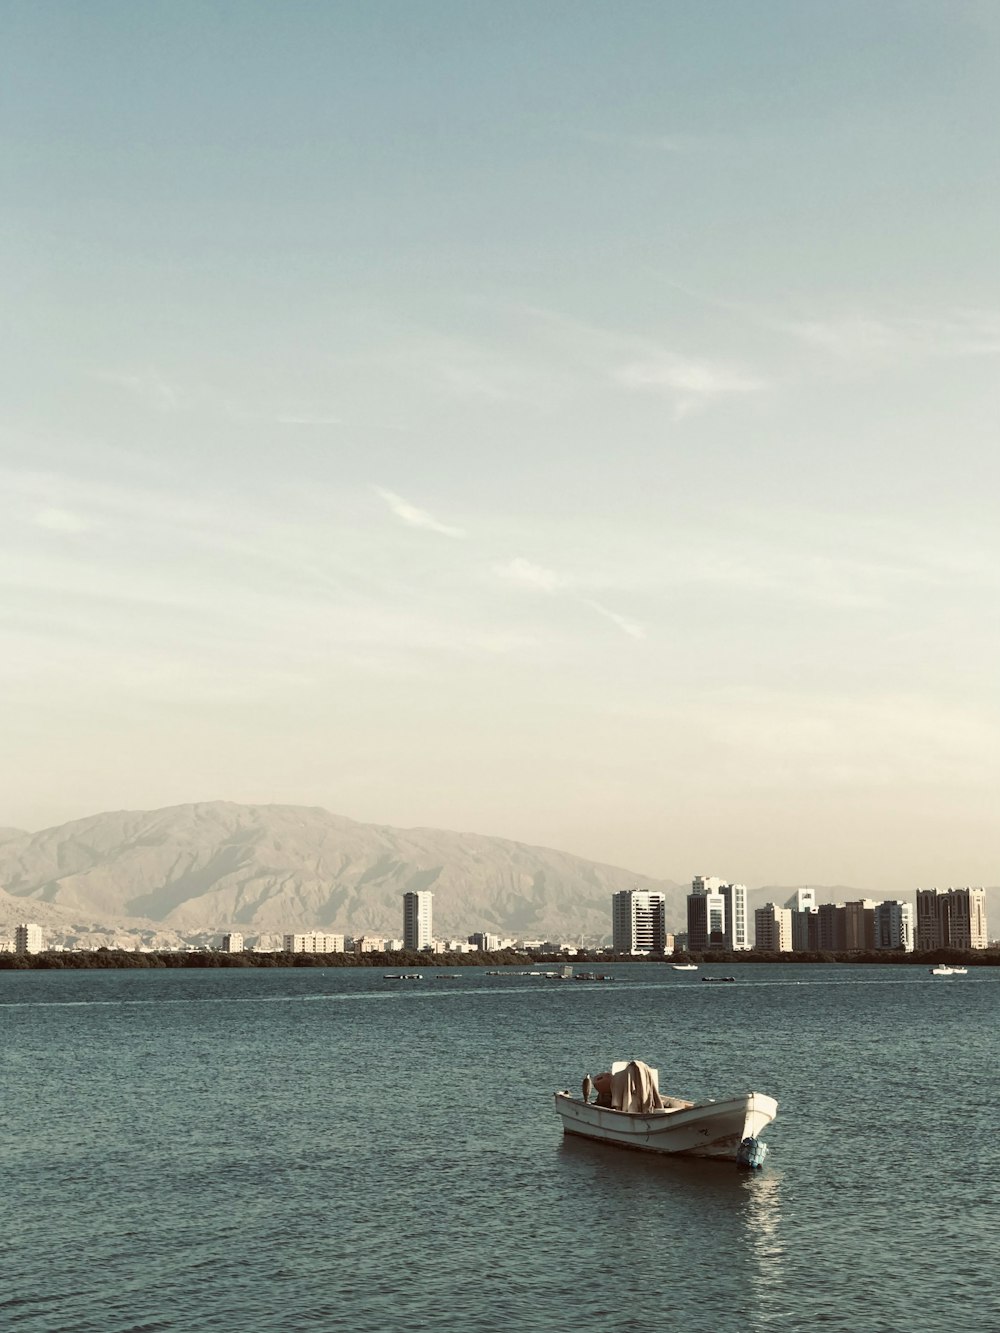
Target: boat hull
{"points": [[700, 1129]]}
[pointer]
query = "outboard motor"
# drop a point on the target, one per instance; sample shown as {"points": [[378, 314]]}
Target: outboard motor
{"points": [[751, 1153]]}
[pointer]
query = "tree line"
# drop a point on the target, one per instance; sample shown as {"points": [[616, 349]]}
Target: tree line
{"points": [[81, 959]]}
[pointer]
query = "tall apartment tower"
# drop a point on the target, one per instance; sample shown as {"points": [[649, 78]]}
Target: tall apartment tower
{"points": [[706, 915], [894, 926], [28, 938], [859, 924], [639, 922], [737, 924], [805, 930], [802, 900], [773, 929], [951, 918], [831, 927], [717, 915], [418, 922]]}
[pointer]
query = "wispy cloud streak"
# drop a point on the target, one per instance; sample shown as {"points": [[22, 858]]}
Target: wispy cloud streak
{"points": [[689, 383], [545, 580], [417, 518]]}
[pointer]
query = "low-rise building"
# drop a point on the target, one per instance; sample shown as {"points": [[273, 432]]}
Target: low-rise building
{"points": [[314, 941], [484, 941]]}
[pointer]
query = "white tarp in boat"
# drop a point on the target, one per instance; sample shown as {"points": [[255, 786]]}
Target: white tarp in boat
{"points": [[635, 1087]]}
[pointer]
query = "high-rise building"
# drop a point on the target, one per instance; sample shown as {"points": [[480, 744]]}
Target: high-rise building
{"points": [[418, 920], [951, 918], [28, 938], [831, 932], [737, 928], [233, 942], [894, 926], [706, 915], [773, 929], [802, 900], [638, 921], [805, 930], [859, 924], [717, 915]]}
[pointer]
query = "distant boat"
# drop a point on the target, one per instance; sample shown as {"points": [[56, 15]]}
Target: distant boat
{"points": [[718, 978], [402, 976], [943, 970], [684, 967], [639, 1117]]}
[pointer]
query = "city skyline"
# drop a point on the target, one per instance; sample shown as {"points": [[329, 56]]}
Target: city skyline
{"points": [[577, 430]]}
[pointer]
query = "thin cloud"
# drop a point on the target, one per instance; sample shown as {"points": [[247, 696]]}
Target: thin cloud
{"points": [[677, 374], [149, 386], [524, 572], [62, 520], [416, 518], [869, 338], [530, 575], [690, 385], [626, 626]]}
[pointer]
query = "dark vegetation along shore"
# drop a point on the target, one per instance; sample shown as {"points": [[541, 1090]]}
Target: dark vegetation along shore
{"points": [[127, 958]]}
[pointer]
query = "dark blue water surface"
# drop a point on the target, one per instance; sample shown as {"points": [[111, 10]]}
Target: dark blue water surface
{"points": [[303, 1149]]}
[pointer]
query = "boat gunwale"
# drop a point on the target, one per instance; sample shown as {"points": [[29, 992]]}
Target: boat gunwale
{"points": [[746, 1099]]}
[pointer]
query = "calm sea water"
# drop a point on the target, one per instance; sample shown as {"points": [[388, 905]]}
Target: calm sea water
{"points": [[299, 1149]]}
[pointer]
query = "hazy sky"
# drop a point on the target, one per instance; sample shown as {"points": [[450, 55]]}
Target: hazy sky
{"points": [[575, 422]]}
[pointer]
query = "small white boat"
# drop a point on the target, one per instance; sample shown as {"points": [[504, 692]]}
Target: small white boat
{"points": [[639, 1117], [943, 970], [684, 967]]}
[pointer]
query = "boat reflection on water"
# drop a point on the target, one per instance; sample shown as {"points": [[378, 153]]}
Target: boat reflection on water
{"points": [[680, 1196], [607, 1165], [767, 1269]]}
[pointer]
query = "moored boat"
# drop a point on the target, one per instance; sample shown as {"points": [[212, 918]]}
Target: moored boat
{"points": [[631, 1113], [684, 967], [941, 970]]}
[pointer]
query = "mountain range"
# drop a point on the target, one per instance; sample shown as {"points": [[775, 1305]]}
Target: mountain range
{"points": [[187, 873], [176, 875]]}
